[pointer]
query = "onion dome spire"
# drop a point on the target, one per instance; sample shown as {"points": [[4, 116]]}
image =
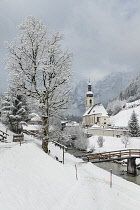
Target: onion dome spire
{"points": [[89, 93]]}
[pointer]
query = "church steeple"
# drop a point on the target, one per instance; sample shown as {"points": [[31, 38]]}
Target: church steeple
{"points": [[89, 97]]}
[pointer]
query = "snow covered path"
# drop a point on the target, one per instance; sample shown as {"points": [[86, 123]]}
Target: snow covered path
{"points": [[32, 180]]}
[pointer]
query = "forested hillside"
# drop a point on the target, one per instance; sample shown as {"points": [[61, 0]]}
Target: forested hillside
{"points": [[104, 90], [129, 94]]}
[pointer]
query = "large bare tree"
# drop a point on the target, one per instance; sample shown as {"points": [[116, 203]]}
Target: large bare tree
{"points": [[39, 68]]}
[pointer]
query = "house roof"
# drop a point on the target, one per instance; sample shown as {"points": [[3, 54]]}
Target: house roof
{"points": [[35, 117], [31, 127], [96, 109]]}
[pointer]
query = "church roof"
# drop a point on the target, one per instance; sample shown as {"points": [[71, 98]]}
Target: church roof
{"points": [[96, 109]]}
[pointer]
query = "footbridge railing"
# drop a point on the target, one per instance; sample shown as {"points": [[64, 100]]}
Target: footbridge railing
{"points": [[112, 155]]}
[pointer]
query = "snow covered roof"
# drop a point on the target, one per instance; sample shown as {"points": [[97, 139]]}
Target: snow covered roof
{"points": [[95, 126], [96, 109], [36, 118], [31, 127]]}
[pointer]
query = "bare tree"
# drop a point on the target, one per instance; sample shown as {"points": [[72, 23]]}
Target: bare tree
{"points": [[39, 68], [125, 140], [100, 141]]}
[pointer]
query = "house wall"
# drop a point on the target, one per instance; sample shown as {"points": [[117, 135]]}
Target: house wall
{"points": [[106, 132]]}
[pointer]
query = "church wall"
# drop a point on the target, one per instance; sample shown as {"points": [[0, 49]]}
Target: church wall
{"points": [[89, 102], [104, 121], [90, 120]]}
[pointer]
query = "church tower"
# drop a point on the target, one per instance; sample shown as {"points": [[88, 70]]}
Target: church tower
{"points": [[89, 97]]}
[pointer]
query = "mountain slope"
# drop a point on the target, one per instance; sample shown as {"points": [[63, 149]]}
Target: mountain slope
{"points": [[103, 90], [132, 92], [123, 117], [129, 94]]}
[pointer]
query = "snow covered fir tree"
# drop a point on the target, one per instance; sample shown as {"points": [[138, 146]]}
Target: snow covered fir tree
{"points": [[133, 125], [5, 108], [14, 110], [18, 114]]}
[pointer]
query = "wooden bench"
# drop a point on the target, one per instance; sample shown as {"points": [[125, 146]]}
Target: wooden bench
{"points": [[18, 137]]}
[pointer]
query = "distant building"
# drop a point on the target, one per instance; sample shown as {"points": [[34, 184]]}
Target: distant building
{"points": [[95, 113], [34, 125], [35, 119], [110, 131], [68, 124]]}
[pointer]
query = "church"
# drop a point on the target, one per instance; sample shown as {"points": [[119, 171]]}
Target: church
{"points": [[96, 114]]}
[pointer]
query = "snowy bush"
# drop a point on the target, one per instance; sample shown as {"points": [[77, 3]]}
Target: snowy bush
{"points": [[73, 136], [100, 141], [81, 142]]}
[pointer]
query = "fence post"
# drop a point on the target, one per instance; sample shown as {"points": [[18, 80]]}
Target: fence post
{"points": [[63, 154], [129, 152], [110, 178], [76, 172]]}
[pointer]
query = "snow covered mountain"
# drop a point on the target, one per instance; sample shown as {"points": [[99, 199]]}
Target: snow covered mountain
{"points": [[104, 90], [129, 94], [132, 92], [110, 86]]}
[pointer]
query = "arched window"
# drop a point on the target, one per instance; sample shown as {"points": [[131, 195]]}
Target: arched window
{"points": [[90, 101]]}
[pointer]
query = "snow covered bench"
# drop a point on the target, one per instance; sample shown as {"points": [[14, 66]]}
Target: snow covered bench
{"points": [[18, 137]]}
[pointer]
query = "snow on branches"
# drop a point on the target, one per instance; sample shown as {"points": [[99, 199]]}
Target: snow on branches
{"points": [[39, 68]]}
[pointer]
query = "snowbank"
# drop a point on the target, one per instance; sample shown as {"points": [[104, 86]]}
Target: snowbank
{"points": [[30, 179], [122, 118]]}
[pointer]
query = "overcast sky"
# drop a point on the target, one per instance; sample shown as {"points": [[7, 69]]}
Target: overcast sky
{"points": [[103, 35]]}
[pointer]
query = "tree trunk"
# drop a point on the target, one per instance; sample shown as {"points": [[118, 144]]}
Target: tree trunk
{"points": [[45, 134]]}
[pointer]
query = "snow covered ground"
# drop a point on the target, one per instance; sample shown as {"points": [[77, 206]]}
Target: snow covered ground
{"points": [[122, 118], [32, 180]]}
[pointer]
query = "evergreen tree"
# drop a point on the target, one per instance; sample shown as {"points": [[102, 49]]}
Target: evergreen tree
{"points": [[5, 109], [18, 113], [13, 111], [133, 125]]}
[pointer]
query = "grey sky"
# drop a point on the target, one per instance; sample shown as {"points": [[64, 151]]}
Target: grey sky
{"points": [[103, 35]]}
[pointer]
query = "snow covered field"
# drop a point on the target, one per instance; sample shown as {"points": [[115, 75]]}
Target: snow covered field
{"points": [[122, 118], [30, 179]]}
